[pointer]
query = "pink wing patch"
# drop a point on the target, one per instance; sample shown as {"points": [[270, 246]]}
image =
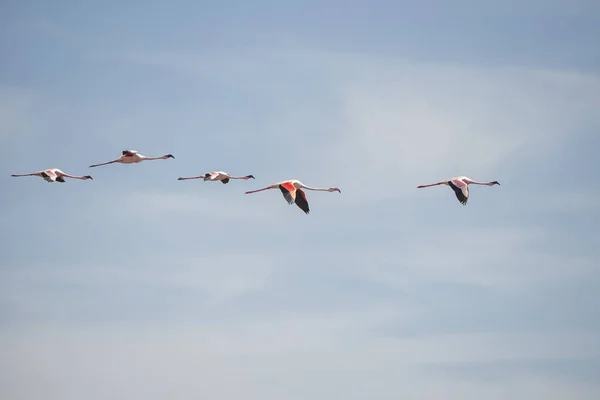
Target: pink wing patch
{"points": [[290, 188], [460, 184]]}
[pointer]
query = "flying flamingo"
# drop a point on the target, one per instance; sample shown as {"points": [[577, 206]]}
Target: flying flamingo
{"points": [[460, 185], [216, 176], [54, 175], [133, 157], [293, 193]]}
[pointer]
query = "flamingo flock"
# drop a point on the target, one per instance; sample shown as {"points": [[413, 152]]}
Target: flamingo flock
{"points": [[292, 189]]}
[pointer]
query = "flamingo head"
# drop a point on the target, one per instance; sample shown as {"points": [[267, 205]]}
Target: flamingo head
{"points": [[495, 183], [334, 190], [88, 177], [169, 156], [250, 177]]}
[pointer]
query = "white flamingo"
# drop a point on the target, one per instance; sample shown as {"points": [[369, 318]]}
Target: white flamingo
{"points": [[54, 175], [132, 157], [216, 176], [460, 185], [293, 193]]}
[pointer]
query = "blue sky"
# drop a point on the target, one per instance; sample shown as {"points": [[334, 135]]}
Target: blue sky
{"points": [[138, 285]]}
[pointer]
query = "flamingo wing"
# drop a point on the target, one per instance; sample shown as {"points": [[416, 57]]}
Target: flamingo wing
{"points": [[301, 201], [461, 190], [458, 183], [48, 175], [289, 192]]}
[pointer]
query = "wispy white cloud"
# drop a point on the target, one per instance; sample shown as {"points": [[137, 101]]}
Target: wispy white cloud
{"points": [[210, 207], [414, 124], [307, 355], [394, 119], [505, 259]]}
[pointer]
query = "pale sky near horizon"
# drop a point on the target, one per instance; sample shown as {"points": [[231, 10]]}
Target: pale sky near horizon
{"points": [[136, 285]]}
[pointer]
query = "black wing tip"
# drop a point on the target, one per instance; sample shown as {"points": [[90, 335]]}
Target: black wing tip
{"points": [[305, 210], [301, 201]]}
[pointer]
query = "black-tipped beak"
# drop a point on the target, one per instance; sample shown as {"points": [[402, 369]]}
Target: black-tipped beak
{"points": [[90, 177], [251, 176], [171, 156]]}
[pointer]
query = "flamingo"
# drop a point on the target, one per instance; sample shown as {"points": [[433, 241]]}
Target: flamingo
{"points": [[216, 176], [460, 185], [133, 157], [293, 193], [54, 175]]}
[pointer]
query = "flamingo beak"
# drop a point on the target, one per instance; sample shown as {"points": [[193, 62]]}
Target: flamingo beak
{"points": [[89, 177]]}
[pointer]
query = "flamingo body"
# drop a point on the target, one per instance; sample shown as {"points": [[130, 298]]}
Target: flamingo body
{"points": [[132, 157], [216, 176], [460, 186], [54, 175], [292, 192]]}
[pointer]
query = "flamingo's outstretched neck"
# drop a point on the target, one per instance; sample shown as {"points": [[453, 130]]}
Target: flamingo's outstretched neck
{"points": [[191, 177], [158, 158], [490, 183], [331, 189], [83, 178], [16, 175]]}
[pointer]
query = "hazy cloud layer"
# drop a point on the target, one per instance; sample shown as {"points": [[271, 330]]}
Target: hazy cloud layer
{"points": [[139, 285]]}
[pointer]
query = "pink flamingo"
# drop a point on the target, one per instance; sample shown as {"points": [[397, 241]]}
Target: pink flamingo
{"points": [[54, 175], [460, 185], [133, 157], [216, 176], [293, 193]]}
